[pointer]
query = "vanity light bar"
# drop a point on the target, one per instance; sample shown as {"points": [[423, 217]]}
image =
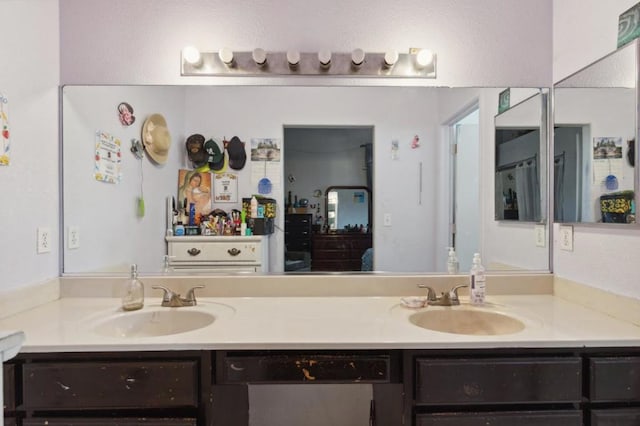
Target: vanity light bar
{"points": [[229, 63]]}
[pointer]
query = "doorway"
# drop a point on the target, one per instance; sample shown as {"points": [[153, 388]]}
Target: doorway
{"points": [[464, 137], [316, 158]]}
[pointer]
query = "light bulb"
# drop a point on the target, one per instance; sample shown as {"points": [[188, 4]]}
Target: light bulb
{"points": [[293, 57], [259, 57], [424, 58], [226, 55], [192, 55], [357, 57], [324, 56], [390, 58]]}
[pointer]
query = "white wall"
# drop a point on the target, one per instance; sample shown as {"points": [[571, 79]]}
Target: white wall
{"points": [[29, 78], [585, 30], [488, 43]]}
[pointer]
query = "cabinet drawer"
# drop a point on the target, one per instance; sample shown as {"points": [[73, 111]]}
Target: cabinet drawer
{"points": [[9, 386], [616, 417], [513, 418], [306, 369], [11, 421], [56, 421], [100, 385], [498, 380], [213, 252], [614, 379]]}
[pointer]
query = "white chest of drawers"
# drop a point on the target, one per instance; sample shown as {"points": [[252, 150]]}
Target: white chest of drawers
{"points": [[221, 254]]}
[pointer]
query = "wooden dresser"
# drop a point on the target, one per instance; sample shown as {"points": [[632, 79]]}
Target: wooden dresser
{"points": [[339, 252]]}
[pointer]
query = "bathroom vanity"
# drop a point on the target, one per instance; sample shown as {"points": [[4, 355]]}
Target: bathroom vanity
{"points": [[90, 363]]}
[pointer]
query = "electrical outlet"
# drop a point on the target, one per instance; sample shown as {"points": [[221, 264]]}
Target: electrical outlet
{"points": [[540, 236], [387, 219], [44, 240], [566, 238], [73, 237]]}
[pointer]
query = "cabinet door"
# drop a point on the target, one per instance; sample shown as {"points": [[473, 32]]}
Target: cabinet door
{"points": [[106, 385], [616, 417], [10, 421], [107, 422], [614, 379], [9, 387], [498, 380], [515, 418]]}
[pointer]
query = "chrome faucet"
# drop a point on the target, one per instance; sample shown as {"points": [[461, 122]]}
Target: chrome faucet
{"points": [[449, 298], [172, 299]]}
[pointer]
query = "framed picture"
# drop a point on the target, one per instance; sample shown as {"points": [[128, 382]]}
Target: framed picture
{"points": [[504, 100]]}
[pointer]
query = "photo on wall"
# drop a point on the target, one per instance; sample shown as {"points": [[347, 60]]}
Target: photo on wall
{"points": [[195, 187]]}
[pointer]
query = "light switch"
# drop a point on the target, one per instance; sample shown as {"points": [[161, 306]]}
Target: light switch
{"points": [[387, 219], [540, 236], [566, 237]]}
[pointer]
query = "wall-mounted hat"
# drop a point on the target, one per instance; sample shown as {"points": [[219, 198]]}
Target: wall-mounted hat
{"points": [[195, 150], [237, 154], [215, 157], [156, 138]]}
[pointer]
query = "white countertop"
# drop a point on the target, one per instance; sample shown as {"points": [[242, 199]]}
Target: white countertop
{"points": [[67, 325]]}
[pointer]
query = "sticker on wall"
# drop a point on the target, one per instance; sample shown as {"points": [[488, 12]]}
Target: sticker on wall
{"points": [[415, 143], [108, 158], [125, 113], [5, 144]]}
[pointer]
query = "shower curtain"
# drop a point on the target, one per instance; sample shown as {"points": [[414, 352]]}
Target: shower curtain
{"points": [[528, 190]]}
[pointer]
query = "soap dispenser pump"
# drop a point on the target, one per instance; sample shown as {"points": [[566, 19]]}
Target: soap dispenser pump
{"points": [[133, 297], [452, 261]]}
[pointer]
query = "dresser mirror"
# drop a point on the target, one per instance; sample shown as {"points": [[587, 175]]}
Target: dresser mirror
{"points": [[348, 209], [411, 200], [595, 133], [520, 161]]}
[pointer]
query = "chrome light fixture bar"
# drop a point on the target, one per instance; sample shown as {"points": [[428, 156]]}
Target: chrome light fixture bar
{"points": [[259, 63]]}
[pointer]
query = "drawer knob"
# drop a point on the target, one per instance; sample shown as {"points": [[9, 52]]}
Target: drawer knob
{"points": [[193, 251], [233, 251]]}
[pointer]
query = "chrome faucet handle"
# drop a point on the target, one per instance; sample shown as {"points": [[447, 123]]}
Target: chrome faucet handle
{"points": [[454, 292], [168, 295], [191, 295], [431, 294]]}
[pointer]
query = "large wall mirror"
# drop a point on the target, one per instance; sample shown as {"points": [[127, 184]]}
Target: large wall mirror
{"points": [[595, 120], [520, 158], [412, 191]]}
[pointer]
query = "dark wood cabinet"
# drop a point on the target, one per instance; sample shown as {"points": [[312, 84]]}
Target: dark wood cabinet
{"points": [[513, 418], [473, 381], [87, 421], [616, 417], [297, 240], [614, 379], [339, 252], [110, 385], [9, 387]]}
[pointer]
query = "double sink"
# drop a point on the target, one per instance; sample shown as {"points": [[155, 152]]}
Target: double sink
{"points": [[155, 320]]}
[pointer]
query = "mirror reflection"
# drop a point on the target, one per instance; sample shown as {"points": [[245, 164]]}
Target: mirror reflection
{"points": [[520, 161], [595, 118], [410, 174]]}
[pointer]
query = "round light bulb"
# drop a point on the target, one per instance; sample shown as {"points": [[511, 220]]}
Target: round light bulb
{"points": [[424, 58], [259, 56], [293, 57], [192, 55], [324, 56], [226, 55], [357, 57], [390, 58]]}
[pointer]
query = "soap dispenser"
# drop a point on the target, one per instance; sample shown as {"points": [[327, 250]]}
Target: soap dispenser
{"points": [[452, 261], [477, 281], [133, 297]]}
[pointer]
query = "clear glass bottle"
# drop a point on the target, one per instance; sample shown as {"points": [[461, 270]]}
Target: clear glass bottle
{"points": [[477, 281], [133, 297], [452, 261]]}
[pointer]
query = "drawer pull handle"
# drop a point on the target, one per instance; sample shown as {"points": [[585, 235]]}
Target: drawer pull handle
{"points": [[193, 251], [234, 368], [130, 380], [234, 251], [63, 386]]}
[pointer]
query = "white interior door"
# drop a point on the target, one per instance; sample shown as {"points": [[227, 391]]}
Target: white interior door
{"points": [[466, 208]]}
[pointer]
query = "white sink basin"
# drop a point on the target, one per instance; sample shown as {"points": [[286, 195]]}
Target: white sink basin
{"points": [[157, 322], [463, 320]]}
